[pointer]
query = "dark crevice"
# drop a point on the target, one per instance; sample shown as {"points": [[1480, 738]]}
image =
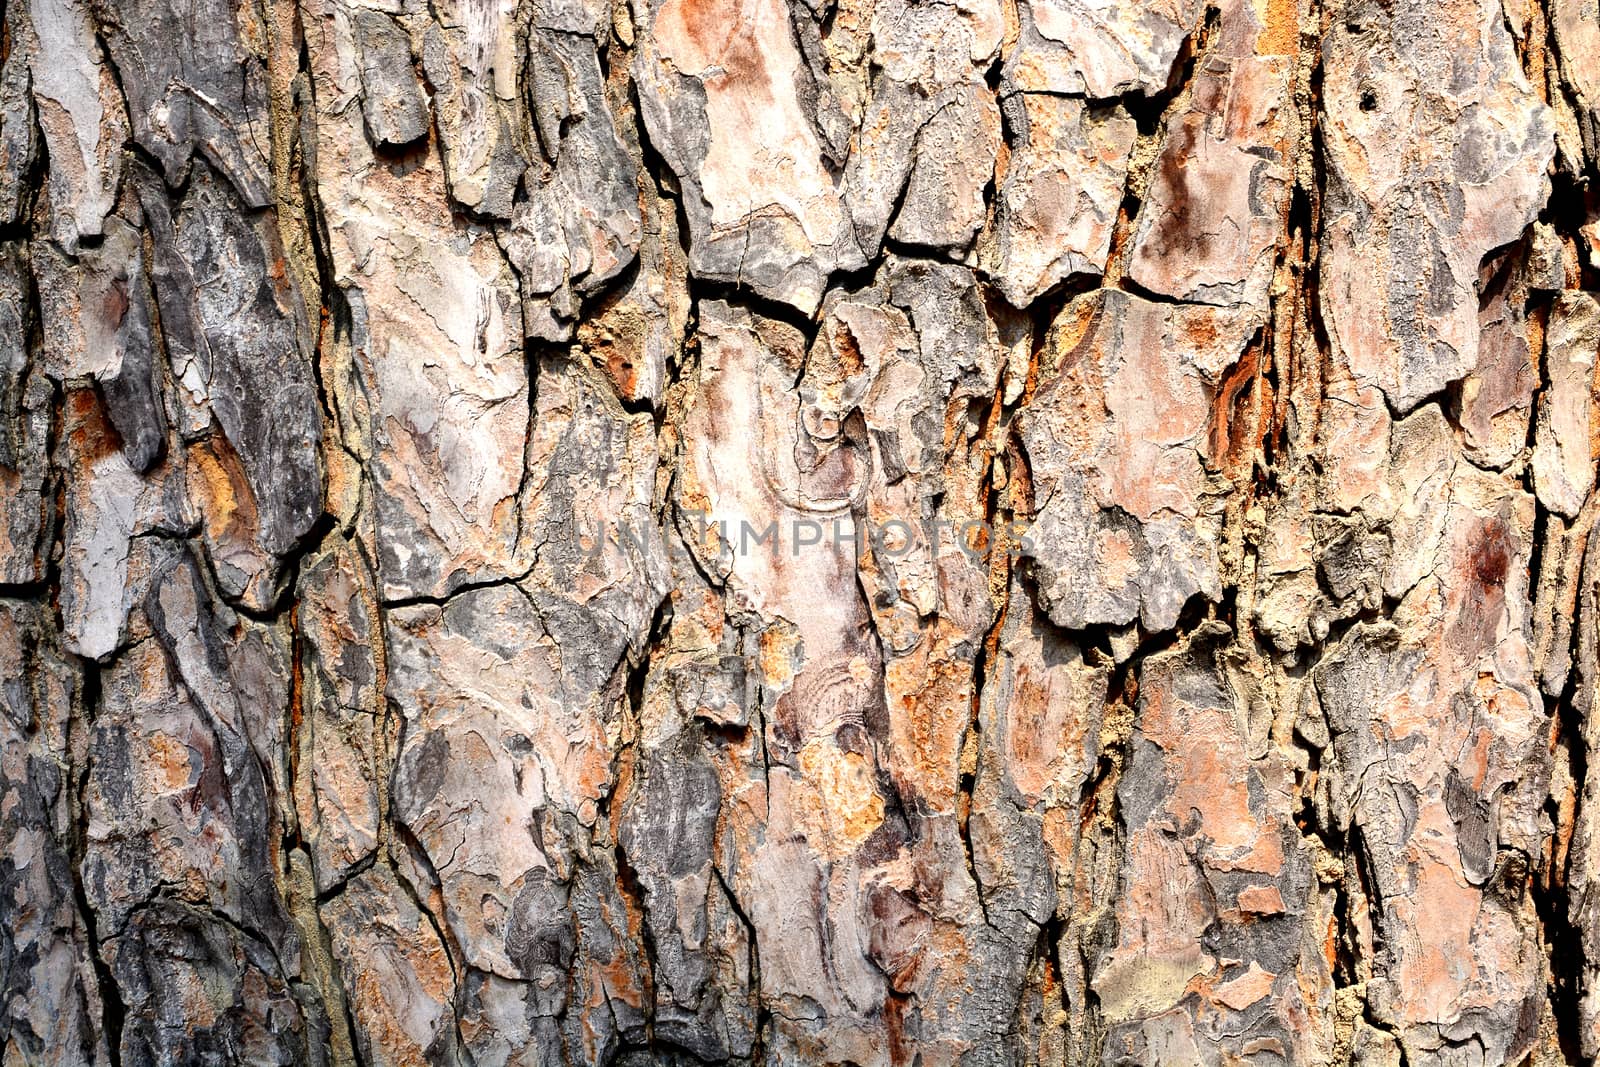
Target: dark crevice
{"points": [[1563, 941], [452, 952], [440, 600], [342, 883], [741, 296], [113, 1010]]}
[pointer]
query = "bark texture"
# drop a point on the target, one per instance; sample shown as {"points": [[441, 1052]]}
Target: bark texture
{"points": [[796, 532]]}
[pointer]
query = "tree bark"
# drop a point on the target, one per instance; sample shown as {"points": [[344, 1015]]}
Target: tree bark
{"points": [[799, 532]]}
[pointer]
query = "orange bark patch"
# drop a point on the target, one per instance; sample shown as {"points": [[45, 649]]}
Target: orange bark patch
{"points": [[92, 435], [1281, 34], [226, 503], [1231, 418], [1245, 990], [839, 805], [1261, 900]]}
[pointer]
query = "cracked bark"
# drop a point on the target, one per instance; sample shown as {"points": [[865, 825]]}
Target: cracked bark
{"points": [[799, 532]]}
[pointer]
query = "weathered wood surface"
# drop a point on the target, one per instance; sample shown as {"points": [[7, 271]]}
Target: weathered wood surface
{"points": [[994, 532]]}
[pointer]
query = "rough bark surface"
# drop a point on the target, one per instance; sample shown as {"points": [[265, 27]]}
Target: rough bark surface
{"points": [[860, 532]]}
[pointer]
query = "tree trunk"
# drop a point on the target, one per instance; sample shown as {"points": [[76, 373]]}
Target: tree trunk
{"points": [[816, 532]]}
